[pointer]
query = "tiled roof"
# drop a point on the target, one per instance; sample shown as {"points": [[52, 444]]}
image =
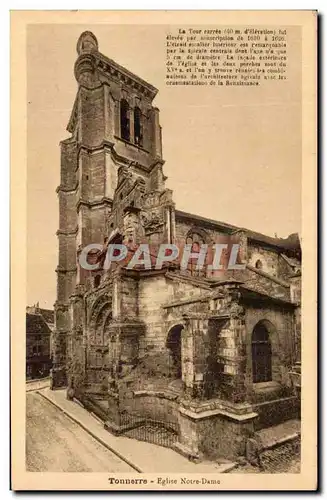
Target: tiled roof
{"points": [[291, 243], [204, 220], [48, 315], [35, 323]]}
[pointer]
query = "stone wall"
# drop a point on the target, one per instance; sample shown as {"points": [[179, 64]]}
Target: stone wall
{"points": [[268, 258], [156, 405], [91, 126], [276, 411], [228, 369], [210, 236], [154, 293], [221, 437], [129, 297]]}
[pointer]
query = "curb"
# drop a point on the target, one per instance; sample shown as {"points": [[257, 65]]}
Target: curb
{"points": [[229, 468], [35, 389], [78, 422], [279, 442], [42, 379]]}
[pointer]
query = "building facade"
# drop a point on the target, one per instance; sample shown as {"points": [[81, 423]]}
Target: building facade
{"points": [[38, 361], [48, 316], [214, 353]]}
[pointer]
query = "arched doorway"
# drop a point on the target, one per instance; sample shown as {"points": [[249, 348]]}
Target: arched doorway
{"points": [[261, 353], [174, 344], [97, 354]]}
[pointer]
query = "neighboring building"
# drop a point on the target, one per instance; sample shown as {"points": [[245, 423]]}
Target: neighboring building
{"points": [[48, 314], [208, 353], [38, 362]]}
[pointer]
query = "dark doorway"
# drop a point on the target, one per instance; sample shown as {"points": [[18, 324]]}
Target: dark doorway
{"points": [[261, 354], [174, 344]]}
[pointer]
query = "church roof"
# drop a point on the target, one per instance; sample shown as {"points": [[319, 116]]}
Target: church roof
{"points": [[229, 228], [291, 243]]}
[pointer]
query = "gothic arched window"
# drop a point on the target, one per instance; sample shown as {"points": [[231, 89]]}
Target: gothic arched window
{"points": [[261, 354], [124, 120], [138, 135]]}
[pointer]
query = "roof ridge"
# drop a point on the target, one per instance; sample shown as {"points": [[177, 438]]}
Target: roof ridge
{"points": [[285, 243]]}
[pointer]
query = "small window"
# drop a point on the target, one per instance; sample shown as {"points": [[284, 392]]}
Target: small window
{"points": [[258, 264], [138, 136], [97, 280], [124, 120]]}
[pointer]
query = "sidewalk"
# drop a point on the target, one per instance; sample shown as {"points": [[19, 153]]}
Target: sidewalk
{"points": [[37, 384], [142, 456]]}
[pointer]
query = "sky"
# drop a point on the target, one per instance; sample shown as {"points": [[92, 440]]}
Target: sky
{"points": [[231, 153]]}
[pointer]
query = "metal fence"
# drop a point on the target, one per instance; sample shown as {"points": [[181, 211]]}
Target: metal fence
{"points": [[159, 432]]}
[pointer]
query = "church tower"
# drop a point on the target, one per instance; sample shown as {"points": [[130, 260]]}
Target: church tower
{"points": [[111, 161]]}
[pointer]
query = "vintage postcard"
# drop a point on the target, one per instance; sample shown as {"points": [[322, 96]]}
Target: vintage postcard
{"points": [[164, 330]]}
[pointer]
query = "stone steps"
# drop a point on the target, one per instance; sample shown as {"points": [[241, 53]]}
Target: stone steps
{"points": [[279, 434]]}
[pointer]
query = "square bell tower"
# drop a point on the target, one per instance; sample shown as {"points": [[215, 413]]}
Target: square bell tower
{"points": [[114, 149]]}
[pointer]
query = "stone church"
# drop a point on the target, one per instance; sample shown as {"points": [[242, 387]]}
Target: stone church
{"points": [[213, 356]]}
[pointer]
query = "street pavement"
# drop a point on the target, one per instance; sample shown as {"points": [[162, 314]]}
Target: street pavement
{"points": [[54, 443]]}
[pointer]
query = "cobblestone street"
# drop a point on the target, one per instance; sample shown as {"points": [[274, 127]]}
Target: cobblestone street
{"points": [[285, 458], [291, 467]]}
